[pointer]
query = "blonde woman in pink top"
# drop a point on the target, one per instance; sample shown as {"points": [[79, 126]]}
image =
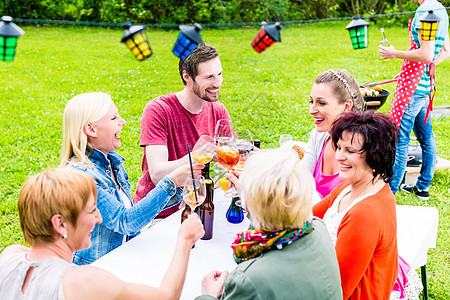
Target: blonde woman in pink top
{"points": [[334, 91]]}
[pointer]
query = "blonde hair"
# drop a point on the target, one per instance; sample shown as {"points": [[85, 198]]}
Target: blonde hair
{"points": [[81, 109], [61, 191], [344, 86], [277, 189]]}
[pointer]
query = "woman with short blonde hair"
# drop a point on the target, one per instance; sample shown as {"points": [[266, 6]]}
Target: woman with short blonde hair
{"points": [[286, 253], [280, 196]]}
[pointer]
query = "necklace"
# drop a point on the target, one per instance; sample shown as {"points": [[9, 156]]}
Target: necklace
{"points": [[344, 203]]}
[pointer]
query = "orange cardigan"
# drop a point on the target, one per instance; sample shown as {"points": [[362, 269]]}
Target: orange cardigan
{"points": [[366, 245]]}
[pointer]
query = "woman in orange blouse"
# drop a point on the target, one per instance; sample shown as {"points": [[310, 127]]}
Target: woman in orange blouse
{"points": [[360, 213]]}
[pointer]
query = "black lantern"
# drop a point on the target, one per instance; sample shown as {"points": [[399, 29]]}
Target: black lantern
{"points": [[9, 33], [429, 24], [267, 36], [136, 40], [359, 33], [187, 40]]}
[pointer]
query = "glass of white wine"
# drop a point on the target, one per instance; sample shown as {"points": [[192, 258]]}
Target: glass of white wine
{"points": [[204, 149], [191, 198]]}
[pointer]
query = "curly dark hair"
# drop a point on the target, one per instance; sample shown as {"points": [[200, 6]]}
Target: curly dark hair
{"points": [[202, 53], [379, 136]]}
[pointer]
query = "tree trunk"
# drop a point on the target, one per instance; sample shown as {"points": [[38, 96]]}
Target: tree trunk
{"points": [[400, 7]]}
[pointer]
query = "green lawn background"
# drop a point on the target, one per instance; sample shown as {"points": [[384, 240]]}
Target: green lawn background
{"points": [[266, 93]]}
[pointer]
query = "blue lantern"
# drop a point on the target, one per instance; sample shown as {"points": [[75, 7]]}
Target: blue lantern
{"points": [[187, 40], [9, 33]]}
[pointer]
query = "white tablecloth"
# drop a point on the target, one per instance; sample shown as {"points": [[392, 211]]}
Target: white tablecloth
{"points": [[146, 258], [417, 228]]}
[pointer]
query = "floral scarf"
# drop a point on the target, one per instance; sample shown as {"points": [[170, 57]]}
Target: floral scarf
{"points": [[253, 242]]}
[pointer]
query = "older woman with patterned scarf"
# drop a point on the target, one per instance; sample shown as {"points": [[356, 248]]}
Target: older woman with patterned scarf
{"points": [[286, 253]]}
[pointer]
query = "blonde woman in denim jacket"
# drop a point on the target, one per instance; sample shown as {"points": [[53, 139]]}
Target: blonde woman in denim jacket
{"points": [[91, 128]]}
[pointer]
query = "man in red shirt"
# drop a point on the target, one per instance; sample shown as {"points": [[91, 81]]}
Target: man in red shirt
{"points": [[171, 121]]}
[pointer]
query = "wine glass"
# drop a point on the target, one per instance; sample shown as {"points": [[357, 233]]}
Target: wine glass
{"points": [[204, 149], [228, 157], [245, 145], [224, 184], [224, 131], [227, 153], [192, 199]]}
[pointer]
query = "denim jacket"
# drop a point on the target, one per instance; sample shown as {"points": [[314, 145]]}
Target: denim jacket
{"points": [[119, 221]]}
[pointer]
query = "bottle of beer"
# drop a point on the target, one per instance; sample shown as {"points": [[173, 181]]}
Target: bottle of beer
{"points": [[207, 210], [205, 171], [184, 215], [257, 143], [186, 212]]}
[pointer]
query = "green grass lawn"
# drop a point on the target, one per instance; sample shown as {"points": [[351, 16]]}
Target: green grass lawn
{"points": [[266, 93]]}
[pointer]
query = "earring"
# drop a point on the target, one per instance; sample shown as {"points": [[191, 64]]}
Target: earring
{"points": [[64, 237]]}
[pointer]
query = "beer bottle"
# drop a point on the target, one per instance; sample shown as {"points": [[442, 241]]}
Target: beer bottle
{"points": [[207, 210], [257, 143], [186, 212], [184, 215], [205, 171]]}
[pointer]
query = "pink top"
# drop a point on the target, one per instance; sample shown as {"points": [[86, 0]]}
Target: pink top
{"points": [[325, 183]]}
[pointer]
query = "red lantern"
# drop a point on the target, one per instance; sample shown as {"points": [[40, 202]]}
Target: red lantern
{"points": [[267, 36]]}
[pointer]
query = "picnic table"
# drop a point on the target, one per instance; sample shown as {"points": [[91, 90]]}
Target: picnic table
{"points": [[145, 258]]}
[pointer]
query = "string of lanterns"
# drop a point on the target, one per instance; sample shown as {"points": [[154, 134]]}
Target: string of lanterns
{"points": [[189, 37], [137, 41], [359, 29]]}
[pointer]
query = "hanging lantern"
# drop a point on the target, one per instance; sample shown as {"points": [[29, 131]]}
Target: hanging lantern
{"points": [[9, 33], [359, 33], [267, 36], [429, 24], [187, 40], [136, 40]]}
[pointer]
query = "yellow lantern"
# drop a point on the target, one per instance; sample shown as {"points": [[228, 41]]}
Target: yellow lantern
{"points": [[136, 40], [429, 24]]}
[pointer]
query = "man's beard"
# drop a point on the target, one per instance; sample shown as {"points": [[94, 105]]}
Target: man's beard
{"points": [[198, 93]]}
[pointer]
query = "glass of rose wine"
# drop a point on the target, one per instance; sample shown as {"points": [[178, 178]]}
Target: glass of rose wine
{"points": [[191, 198], [204, 149], [227, 150]]}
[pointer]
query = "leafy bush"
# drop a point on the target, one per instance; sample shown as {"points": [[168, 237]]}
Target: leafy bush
{"points": [[201, 11]]}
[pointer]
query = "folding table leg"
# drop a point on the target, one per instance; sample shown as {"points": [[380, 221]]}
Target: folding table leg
{"points": [[423, 273]]}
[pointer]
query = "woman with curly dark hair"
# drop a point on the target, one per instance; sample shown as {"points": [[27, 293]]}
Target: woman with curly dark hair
{"points": [[360, 212]]}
